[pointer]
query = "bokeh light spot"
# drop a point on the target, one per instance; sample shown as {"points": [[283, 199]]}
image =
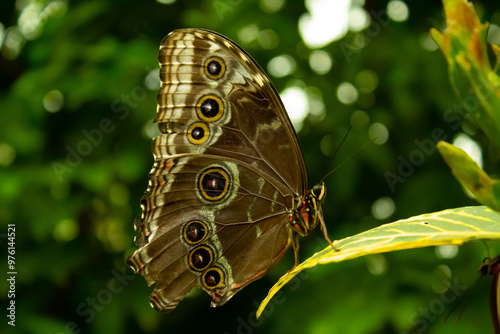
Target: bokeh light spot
{"points": [[368, 80], [359, 119], [494, 34], [320, 61], [315, 101], [470, 146], [427, 43], [397, 10], [271, 6], [13, 42], [378, 131], [347, 93], [358, 19], [446, 251], [325, 22], [269, 39], [29, 21], [248, 33], [7, 154], [150, 129], [152, 80], [281, 66], [295, 101], [377, 264], [53, 101], [383, 208], [326, 145], [66, 230]]}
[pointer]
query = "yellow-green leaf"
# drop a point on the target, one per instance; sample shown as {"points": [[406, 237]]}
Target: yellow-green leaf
{"points": [[448, 227], [442, 41], [466, 30], [470, 175], [475, 82]]}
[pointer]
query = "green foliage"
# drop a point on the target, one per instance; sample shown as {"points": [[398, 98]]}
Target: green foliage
{"points": [[471, 75], [448, 227], [464, 46], [71, 179], [471, 176]]}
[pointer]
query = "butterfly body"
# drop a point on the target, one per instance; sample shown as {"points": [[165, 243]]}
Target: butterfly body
{"points": [[227, 194]]}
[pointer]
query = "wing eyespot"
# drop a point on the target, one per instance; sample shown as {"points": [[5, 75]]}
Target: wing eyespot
{"points": [[214, 68], [195, 232], [200, 258], [213, 184], [210, 108], [213, 278], [198, 133]]}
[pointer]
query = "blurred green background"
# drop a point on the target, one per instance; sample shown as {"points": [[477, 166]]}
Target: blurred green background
{"points": [[81, 76]]}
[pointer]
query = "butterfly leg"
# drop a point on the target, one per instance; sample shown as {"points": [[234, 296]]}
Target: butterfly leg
{"points": [[295, 245], [325, 233]]}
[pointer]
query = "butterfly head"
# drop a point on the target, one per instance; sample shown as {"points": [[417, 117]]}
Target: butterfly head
{"points": [[319, 192], [307, 213]]}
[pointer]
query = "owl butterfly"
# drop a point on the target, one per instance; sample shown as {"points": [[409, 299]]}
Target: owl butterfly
{"points": [[227, 194]]}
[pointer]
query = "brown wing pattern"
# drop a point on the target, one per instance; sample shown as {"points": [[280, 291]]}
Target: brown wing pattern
{"points": [[227, 169], [254, 126]]}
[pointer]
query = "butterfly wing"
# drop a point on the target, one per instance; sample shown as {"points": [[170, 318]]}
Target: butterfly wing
{"points": [[227, 169], [254, 125]]}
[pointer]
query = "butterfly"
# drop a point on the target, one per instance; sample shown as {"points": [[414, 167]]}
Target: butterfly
{"points": [[227, 193]]}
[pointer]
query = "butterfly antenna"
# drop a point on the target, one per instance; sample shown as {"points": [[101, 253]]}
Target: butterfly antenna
{"points": [[350, 157], [463, 300], [336, 151]]}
